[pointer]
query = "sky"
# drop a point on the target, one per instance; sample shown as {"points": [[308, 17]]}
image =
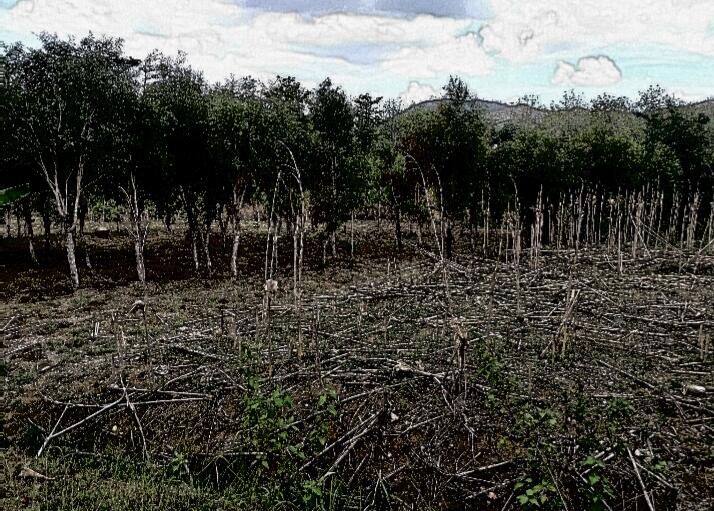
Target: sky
{"points": [[407, 49]]}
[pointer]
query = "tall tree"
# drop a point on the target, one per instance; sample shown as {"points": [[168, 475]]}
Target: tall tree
{"points": [[178, 94], [69, 94], [460, 155], [335, 175], [231, 115]]}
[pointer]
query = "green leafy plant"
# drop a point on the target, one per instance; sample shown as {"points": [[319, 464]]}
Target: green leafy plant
{"points": [[490, 367], [312, 494], [599, 487], [617, 413], [178, 466], [540, 420], [10, 195], [532, 494], [321, 429], [271, 426]]}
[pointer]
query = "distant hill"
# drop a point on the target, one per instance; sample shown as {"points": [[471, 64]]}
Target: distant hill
{"points": [[502, 113], [499, 113], [706, 106]]}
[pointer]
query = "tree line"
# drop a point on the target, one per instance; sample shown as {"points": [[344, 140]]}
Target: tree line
{"points": [[82, 122]]}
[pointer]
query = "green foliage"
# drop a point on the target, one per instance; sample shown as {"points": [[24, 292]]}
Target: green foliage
{"points": [[70, 99], [338, 168], [534, 494], [537, 421], [279, 446], [97, 118], [10, 195], [490, 367], [598, 485], [178, 466], [617, 414], [271, 425]]}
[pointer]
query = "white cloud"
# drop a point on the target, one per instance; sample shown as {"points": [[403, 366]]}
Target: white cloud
{"points": [[221, 37], [589, 71], [692, 96], [417, 92], [522, 31], [461, 55], [345, 28]]}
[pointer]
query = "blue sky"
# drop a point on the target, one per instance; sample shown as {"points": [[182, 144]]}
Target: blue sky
{"points": [[408, 48]]}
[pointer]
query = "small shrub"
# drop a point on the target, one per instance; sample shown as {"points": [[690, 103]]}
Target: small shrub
{"points": [[533, 494], [598, 485]]}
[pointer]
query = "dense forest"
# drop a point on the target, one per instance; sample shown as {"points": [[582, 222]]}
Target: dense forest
{"points": [[86, 128]]}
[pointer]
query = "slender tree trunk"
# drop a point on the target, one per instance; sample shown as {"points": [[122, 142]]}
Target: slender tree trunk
{"points": [[47, 224], [140, 267], [140, 232], [223, 226], [398, 226], [30, 233], [296, 293], [236, 211], [87, 260], [8, 220], [352, 235], [82, 219], [168, 221], [449, 240], [194, 250], [71, 259], [206, 238], [234, 252], [139, 227], [193, 231]]}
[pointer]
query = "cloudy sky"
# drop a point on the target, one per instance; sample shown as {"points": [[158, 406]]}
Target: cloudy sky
{"points": [[408, 48]]}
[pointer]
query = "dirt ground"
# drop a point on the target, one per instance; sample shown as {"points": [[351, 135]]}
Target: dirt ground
{"points": [[394, 382]]}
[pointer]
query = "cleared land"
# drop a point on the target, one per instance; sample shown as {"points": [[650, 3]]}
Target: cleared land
{"points": [[395, 382]]}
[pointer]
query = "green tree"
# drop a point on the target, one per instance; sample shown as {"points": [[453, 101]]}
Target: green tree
{"points": [[336, 174], [460, 155], [178, 95], [232, 115], [63, 124]]}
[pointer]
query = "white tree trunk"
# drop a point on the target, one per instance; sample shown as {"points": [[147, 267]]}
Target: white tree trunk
{"points": [[194, 249], [73, 273], [234, 253], [30, 233], [8, 222], [236, 211], [33, 256], [206, 249], [140, 267], [139, 227]]}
